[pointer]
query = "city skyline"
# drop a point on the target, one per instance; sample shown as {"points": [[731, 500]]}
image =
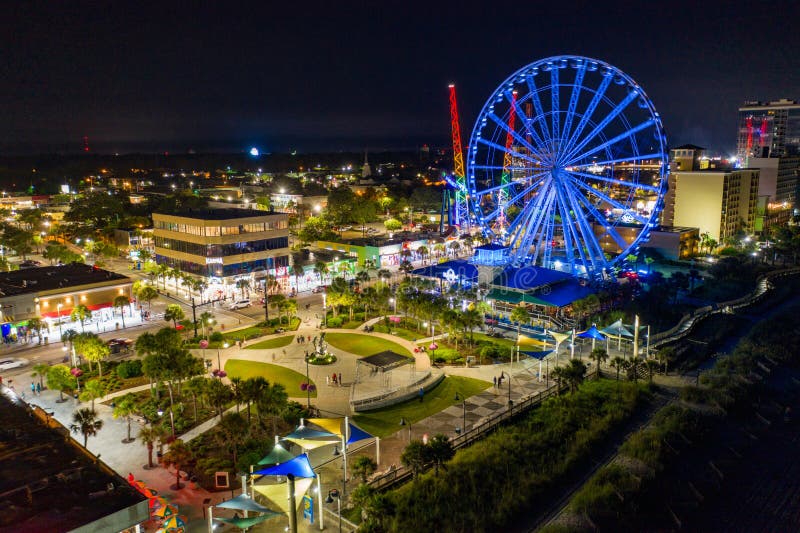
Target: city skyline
{"points": [[156, 78]]}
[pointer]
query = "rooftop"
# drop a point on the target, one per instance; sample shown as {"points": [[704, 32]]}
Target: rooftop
{"points": [[46, 482], [53, 277], [219, 214]]}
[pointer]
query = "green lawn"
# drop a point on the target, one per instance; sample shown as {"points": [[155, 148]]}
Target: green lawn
{"points": [[290, 379], [363, 345], [278, 342], [403, 333], [509, 341], [386, 421], [244, 333]]}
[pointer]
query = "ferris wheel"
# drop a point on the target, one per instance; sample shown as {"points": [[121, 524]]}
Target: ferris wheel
{"points": [[567, 166]]}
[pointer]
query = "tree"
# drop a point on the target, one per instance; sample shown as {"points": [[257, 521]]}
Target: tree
{"points": [[363, 466], [59, 378], [321, 269], [37, 324], [195, 387], [385, 274], [665, 355], [85, 422], [652, 367], [80, 313], [415, 456], [393, 224], [518, 316], [122, 302], [618, 363], [572, 374], [147, 294], [40, 371], [125, 407], [233, 431], [598, 355], [174, 313], [92, 390], [179, 455], [93, 348], [217, 394], [440, 451], [243, 285], [148, 436], [272, 401]]}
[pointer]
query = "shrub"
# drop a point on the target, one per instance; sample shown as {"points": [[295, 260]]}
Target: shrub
{"points": [[129, 369], [217, 336], [335, 322]]}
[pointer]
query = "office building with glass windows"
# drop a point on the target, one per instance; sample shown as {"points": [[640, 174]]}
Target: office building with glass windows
{"points": [[223, 244]]}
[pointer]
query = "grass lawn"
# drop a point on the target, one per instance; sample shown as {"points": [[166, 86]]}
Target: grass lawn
{"points": [[403, 333], [290, 379], [509, 341], [386, 421], [244, 333], [363, 345], [278, 342]]}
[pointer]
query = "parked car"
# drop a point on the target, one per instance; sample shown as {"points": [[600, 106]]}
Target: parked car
{"points": [[117, 346], [239, 304], [318, 288], [12, 362], [30, 263]]}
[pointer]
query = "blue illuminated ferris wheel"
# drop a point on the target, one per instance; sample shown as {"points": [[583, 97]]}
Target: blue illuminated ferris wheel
{"points": [[567, 166]]}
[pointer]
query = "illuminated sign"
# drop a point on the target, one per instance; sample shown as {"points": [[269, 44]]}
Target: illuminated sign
{"points": [[213, 260]]}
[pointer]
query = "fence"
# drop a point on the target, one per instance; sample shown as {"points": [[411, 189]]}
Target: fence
{"points": [[490, 423], [397, 395]]}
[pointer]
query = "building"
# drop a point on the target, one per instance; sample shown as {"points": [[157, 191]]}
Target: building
{"points": [[768, 129], [380, 252], [223, 245], [49, 482], [52, 292], [670, 242], [718, 202]]}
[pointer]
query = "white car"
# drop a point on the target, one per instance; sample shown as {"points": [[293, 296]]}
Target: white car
{"points": [[240, 304], [12, 362]]}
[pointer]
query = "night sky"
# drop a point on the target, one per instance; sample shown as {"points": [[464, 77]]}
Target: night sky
{"points": [[348, 75]]}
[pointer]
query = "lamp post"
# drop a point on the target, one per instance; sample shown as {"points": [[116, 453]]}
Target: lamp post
{"points": [[334, 493], [171, 420], [394, 305], [58, 307], [308, 384], [464, 417], [219, 364], [324, 309], [510, 401]]}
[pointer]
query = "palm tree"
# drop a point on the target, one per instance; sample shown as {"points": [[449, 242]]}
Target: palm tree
{"points": [[423, 252], [440, 450], [233, 431], [92, 390], [385, 274], [125, 407], [363, 466], [80, 312], [321, 269], [179, 455], [148, 436], [147, 294], [363, 276], [251, 390], [85, 422], [37, 324], [122, 302], [174, 312], [651, 366], [206, 319], [195, 387], [162, 271], [40, 371], [518, 316], [415, 456], [242, 285], [599, 355], [618, 363], [272, 401]]}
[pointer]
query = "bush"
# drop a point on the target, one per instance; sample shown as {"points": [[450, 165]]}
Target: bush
{"points": [[335, 322], [129, 369], [217, 336]]}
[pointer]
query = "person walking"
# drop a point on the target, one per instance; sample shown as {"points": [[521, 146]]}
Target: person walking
{"points": [[494, 381], [327, 380], [340, 379], [421, 394], [33, 389]]}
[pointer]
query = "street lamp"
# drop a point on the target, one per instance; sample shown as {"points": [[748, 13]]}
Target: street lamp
{"points": [[464, 417], [334, 493], [171, 419], [219, 364], [58, 307], [510, 402], [394, 304], [308, 383]]}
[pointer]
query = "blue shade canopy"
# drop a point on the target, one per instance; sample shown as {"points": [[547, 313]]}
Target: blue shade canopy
{"points": [[592, 333], [537, 355], [246, 523], [357, 434], [299, 467], [278, 455], [244, 503], [617, 329]]}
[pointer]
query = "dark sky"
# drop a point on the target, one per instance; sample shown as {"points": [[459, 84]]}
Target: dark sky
{"points": [[345, 75]]}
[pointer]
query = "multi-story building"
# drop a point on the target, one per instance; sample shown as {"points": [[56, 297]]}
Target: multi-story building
{"points": [[718, 202], [768, 129], [223, 245]]}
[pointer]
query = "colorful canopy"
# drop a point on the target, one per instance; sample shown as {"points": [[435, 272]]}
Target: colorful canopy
{"points": [[277, 493], [157, 502], [165, 511], [357, 434], [174, 523], [559, 337], [332, 425], [534, 340], [538, 355], [617, 329], [278, 455], [243, 502], [592, 333], [305, 432], [298, 466], [310, 439], [245, 523]]}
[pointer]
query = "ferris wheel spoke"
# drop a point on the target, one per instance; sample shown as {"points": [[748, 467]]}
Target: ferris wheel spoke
{"points": [[636, 129], [540, 215], [615, 161], [614, 181], [633, 95], [528, 190], [589, 240], [515, 135], [573, 100], [609, 200], [501, 168], [526, 211], [526, 125], [602, 220], [555, 104], [570, 235], [587, 115], [513, 184], [503, 150], [537, 106]]}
